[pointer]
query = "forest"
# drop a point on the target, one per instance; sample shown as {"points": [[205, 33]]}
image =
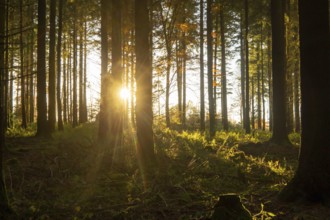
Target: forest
{"points": [[164, 109]]}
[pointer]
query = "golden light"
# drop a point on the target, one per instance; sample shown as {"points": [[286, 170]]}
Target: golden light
{"points": [[124, 93]]}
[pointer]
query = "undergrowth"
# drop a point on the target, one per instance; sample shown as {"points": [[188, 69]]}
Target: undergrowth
{"points": [[72, 176]]}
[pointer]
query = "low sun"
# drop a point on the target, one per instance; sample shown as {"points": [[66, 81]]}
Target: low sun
{"points": [[124, 93]]}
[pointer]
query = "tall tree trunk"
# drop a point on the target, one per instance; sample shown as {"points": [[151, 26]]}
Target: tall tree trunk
{"points": [[32, 87], [201, 60], [3, 194], [296, 97], [84, 106], [247, 122], [262, 81], [252, 102], [42, 127], [184, 81], [104, 105], [179, 77], [280, 135], [224, 111], [144, 115], [116, 75], [23, 107], [312, 178], [243, 113], [81, 74], [65, 82], [259, 85], [59, 65], [270, 81], [51, 81], [74, 71], [210, 68]]}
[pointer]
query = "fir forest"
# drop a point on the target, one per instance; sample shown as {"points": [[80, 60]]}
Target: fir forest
{"points": [[164, 109]]}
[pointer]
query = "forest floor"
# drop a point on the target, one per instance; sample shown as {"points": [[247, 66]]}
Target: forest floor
{"points": [[70, 176]]}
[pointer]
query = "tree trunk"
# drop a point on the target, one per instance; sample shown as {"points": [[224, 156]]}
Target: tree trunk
{"points": [[144, 115], [296, 97], [51, 82], [210, 68], [104, 105], [23, 107], [312, 179], [3, 194], [224, 112], [270, 81], [243, 112], [280, 135], [74, 71], [81, 74], [201, 60], [247, 122], [59, 65], [116, 111], [42, 127]]}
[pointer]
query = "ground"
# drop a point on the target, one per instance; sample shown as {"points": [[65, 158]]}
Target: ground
{"points": [[71, 177]]}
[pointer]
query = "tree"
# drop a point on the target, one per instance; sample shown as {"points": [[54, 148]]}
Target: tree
{"points": [[210, 67], [144, 115], [104, 105], [3, 194], [23, 106], [59, 65], [224, 112], [201, 60], [51, 80], [312, 178], [42, 128], [280, 135]]}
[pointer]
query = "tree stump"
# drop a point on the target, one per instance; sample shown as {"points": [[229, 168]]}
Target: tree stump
{"points": [[230, 207]]}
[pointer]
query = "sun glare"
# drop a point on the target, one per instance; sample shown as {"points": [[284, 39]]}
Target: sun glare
{"points": [[124, 93]]}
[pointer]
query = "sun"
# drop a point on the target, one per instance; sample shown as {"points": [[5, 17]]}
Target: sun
{"points": [[124, 93]]}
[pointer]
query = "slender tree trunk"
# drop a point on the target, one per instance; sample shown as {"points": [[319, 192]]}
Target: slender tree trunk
{"points": [[3, 193], [243, 115], [259, 86], [132, 82], [224, 111], [42, 127], [104, 105], [201, 57], [84, 107], [252, 102], [262, 81], [210, 68], [51, 81], [296, 98], [179, 77], [116, 75], [144, 115], [23, 107], [270, 81], [184, 79], [81, 74], [32, 87], [6, 104], [74, 71], [247, 123], [59, 65], [65, 82]]}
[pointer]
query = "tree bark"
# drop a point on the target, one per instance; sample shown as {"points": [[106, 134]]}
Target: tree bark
{"points": [[210, 69], [280, 135], [201, 60], [59, 65], [312, 178], [42, 127], [247, 122], [224, 111], [144, 115], [23, 106]]}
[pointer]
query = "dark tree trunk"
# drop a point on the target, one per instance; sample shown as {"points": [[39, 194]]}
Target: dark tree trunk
{"points": [[3, 194], [65, 83], [259, 86], [59, 65], [51, 82], [179, 77], [210, 68], [224, 112], [23, 106], [144, 115], [116, 111], [270, 81], [252, 102], [312, 179], [280, 135], [104, 105], [247, 122], [84, 105], [81, 74], [201, 60], [262, 81], [32, 88], [74, 71], [296, 97], [243, 113], [42, 127]]}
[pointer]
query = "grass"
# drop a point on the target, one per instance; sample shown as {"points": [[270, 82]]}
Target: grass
{"points": [[71, 176]]}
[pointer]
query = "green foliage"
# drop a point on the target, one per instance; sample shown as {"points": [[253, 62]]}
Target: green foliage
{"points": [[72, 176]]}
